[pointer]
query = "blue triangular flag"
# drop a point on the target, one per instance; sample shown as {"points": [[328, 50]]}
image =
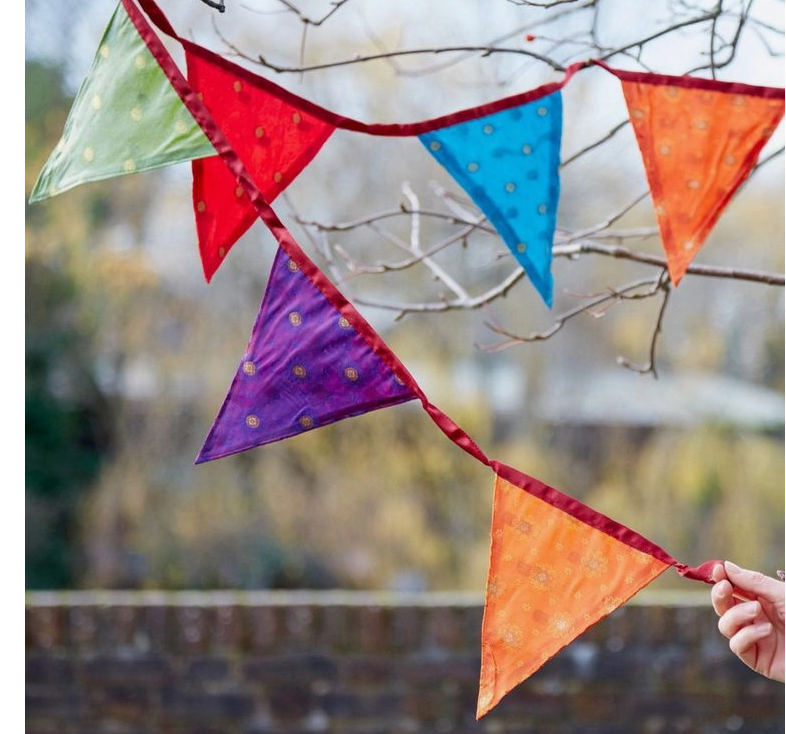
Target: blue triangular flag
{"points": [[508, 162]]}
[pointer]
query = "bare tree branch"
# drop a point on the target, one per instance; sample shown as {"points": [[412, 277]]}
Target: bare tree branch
{"points": [[633, 289], [548, 4], [649, 366], [719, 31], [640, 43], [708, 271], [482, 50], [614, 130], [219, 5], [456, 304], [310, 21]]}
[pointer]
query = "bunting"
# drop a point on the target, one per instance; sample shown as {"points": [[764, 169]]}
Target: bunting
{"points": [[277, 133], [556, 566], [125, 118], [699, 140]]}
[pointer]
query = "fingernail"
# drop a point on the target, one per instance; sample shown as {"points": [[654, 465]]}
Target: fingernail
{"points": [[732, 566], [763, 629], [752, 608]]}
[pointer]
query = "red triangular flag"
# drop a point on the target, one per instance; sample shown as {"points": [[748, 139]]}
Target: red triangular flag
{"points": [[699, 140], [273, 137]]}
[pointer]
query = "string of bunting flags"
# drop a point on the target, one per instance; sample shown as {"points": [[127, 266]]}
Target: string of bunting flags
{"points": [[556, 565], [699, 140]]}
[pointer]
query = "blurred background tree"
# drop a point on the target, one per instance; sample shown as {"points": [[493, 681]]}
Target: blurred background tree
{"points": [[129, 353]]}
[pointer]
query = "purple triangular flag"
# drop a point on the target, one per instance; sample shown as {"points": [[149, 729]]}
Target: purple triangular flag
{"points": [[305, 366]]}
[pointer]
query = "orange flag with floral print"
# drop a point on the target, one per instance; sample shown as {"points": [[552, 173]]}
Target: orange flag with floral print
{"points": [[551, 577], [699, 140]]}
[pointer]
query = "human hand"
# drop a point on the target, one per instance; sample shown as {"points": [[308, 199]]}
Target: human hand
{"points": [[751, 610]]}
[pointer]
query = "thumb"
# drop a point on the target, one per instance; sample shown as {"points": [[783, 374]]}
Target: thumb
{"points": [[762, 586]]}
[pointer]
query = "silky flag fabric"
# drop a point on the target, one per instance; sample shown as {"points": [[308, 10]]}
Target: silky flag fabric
{"points": [[551, 577], [126, 118], [508, 163], [312, 360], [520, 203], [699, 141], [274, 138], [305, 366]]}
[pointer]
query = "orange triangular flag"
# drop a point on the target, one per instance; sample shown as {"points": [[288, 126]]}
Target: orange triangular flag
{"points": [[272, 135], [551, 576], [699, 140]]}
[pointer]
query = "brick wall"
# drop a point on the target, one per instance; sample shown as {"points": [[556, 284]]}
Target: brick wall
{"points": [[366, 663]]}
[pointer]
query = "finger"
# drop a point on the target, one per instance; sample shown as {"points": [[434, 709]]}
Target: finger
{"points": [[721, 597], [754, 582], [718, 572], [748, 636], [738, 617]]}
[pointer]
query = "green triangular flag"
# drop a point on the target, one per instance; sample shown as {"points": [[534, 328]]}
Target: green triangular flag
{"points": [[126, 118]]}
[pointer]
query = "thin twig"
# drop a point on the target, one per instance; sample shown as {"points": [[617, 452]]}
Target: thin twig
{"points": [[219, 5], [596, 144], [484, 51], [647, 39], [544, 5], [469, 303], [438, 272], [649, 366], [612, 218], [560, 321], [309, 21], [709, 271], [390, 213]]}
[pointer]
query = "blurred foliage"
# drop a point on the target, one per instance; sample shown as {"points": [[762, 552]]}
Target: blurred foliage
{"points": [[66, 416], [64, 427], [129, 355]]}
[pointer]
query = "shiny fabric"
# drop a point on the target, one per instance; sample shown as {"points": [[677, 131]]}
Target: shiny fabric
{"points": [[698, 146], [508, 163], [274, 138], [551, 576], [126, 118], [305, 366], [556, 566]]}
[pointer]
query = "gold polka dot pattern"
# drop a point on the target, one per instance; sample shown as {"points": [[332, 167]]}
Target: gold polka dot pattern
{"points": [[125, 118], [272, 136], [301, 385]]}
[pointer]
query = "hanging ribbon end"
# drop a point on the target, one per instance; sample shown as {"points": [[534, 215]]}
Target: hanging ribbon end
{"points": [[702, 572]]}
